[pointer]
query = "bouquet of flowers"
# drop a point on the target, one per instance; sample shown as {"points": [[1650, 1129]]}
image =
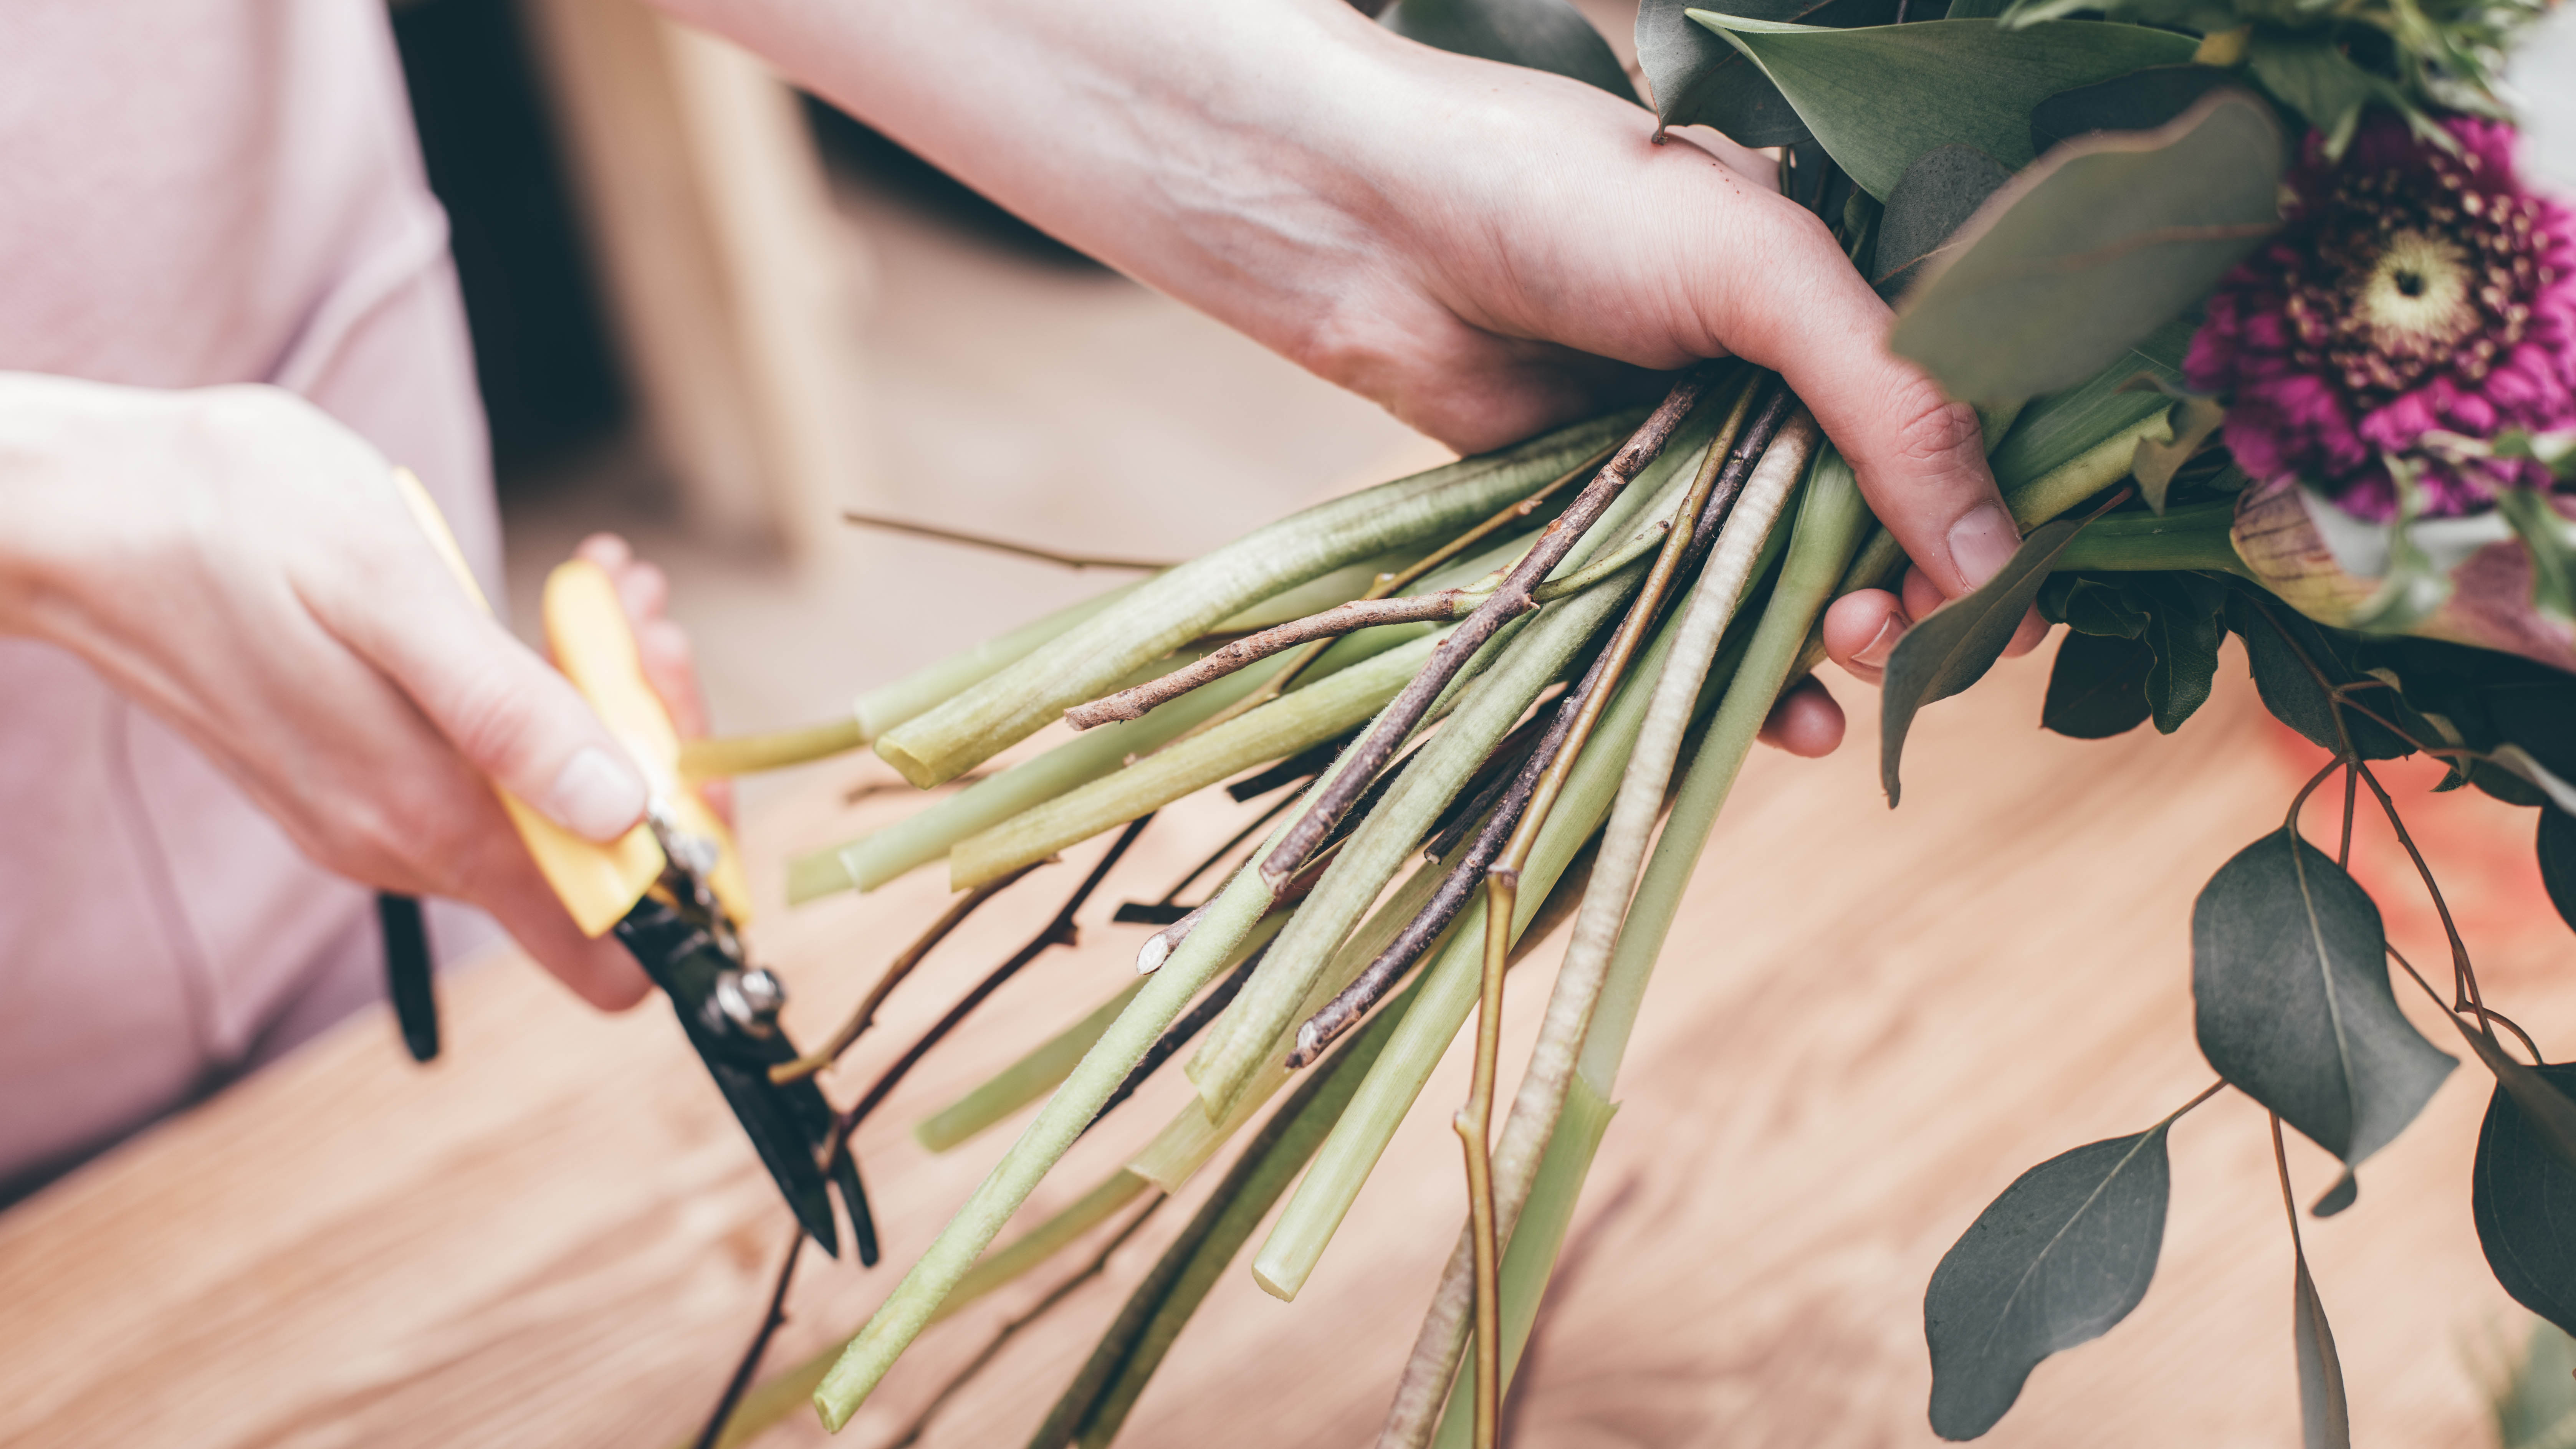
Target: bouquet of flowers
{"points": [[2267, 337]]}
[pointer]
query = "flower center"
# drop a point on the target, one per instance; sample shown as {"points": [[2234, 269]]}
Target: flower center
{"points": [[2415, 301]]}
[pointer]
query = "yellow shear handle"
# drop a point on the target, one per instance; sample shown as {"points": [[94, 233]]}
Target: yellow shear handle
{"points": [[587, 630]]}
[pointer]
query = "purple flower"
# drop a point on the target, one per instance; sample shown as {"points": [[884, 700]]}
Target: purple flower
{"points": [[2410, 290]]}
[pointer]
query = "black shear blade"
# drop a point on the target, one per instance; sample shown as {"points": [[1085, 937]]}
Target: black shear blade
{"points": [[783, 1147]]}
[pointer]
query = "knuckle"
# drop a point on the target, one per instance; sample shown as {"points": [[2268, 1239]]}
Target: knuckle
{"points": [[1929, 427]]}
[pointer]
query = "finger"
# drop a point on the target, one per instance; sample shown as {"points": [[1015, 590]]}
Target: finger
{"points": [[511, 716], [670, 666], [1805, 722], [1861, 630], [1920, 457], [598, 970], [607, 550]]}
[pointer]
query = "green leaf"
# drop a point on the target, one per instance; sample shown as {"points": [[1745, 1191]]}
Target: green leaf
{"points": [[1959, 642], [1974, 10], [2557, 849], [2309, 73], [2522, 1196], [1879, 96], [1548, 35], [2056, 428], [2289, 980], [2094, 604], [2094, 248], [2139, 101], [2186, 622], [1936, 196], [2098, 687], [2057, 1260], [2521, 762], [1700, 80], [2543, 531], [2325, 1419], [2287, 650], [2187, 426]]}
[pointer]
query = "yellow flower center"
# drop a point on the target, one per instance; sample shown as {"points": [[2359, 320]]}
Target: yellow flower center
{"points": [[2415, 300]]}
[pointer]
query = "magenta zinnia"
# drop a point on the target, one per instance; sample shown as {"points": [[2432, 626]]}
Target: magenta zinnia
{"points": [[2411, 290]]}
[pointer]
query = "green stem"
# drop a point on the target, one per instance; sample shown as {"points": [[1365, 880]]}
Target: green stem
{"points": [[728, 755], [1023, 1081], [2185, 538], [1170, 609], [890, 705]]}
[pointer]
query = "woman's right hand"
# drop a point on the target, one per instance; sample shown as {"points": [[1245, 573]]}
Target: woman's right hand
{"points": [[243, 566]]}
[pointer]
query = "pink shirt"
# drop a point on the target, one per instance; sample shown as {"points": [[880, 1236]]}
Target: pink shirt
{"points": [[219, 191]]}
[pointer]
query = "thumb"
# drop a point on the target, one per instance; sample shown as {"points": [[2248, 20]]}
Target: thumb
{"points": [[505, 710], [1920, 458]]}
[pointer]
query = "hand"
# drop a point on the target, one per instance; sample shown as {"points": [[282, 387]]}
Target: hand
{"points": [[1486, 250], [241, 565]]}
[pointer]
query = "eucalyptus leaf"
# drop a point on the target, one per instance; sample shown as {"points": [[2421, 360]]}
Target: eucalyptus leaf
{"points": [[2139, 101], [2547, 1113], [1959, 642], [2522, 763], [2557, 849], [2108, 239], [1700, 80], [2523, 1196], [1935, 197], [2289, 980], [1974, 10], [2309, 73], [2094, 604], [2287, 652], [2063, 1255], [2186, 622], [2098, 686], [1880, 96], [2325, 1417], [1548, 35]]}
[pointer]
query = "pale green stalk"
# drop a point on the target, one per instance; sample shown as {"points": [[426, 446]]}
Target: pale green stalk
{"points": [[1228, 918], [889, 705], [1449, 983], [1278, 729], [1320, 593], [1677, 689], [1024, 1253], [1830, 520], [1172, 608], [930, 833], [1038, 1073], [1281, 993]]}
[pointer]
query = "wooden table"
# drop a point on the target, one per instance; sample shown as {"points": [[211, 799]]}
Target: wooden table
{"points": [[1867, 1025]]}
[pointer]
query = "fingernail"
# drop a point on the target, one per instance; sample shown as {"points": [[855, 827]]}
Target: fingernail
{"points": [[1982, 542], [596, 796], [1875, 653]]}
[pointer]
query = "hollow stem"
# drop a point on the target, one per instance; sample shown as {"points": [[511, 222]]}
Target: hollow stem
{"points": [[727, 755]]}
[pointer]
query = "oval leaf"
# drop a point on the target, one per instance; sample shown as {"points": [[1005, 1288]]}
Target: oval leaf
{"points": [[2137, 102], [1700, 80], [2523, 1196], [1882, 95], [2325, 1419], [2063, 1255], [2289, 984], [2094, 248], [1939, 192], [1548, 35], [1959, 642], [2098, 686]]}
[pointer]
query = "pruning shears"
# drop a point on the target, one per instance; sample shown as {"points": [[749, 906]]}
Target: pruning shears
{"points": [[673, 891]]}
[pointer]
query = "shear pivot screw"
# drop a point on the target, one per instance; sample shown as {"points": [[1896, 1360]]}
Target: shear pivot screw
{"points": [[751, 999]]}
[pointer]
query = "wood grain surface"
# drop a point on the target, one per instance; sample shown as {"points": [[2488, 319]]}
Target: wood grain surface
{"points": [[1867, 1024]]}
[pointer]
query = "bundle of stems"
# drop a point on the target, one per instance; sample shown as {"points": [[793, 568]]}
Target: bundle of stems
{"points": [[1542, 670]]}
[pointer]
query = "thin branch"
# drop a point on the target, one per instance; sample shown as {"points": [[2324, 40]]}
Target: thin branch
{"points": [[2498, 1017], [2289, 1204], [1099, 1264], [2464, 976], [1171, 898], [770, 1322], [1179, 1034], [865, 1013], [1509, 602], [1251, 649], [1057, 931], [996, 545]]}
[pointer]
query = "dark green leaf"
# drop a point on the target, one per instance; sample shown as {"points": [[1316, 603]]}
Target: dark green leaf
{"points": [[2557, 847], [2544, 541], [2107, 604], [2282, 645], [2098, 687], [2289, 982], [1973, 10], [1961, 640], [2094, 248], [2546, 1111], [2338, 1197], [2520, 761], [1880, 96], [2523, 1197], [1546, 35], [2061, 426], [1939, 192], [2325, 1419], [1700, 80], [2063, 1255], [2187, 426], [2140, 101], [2186, 622]]}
